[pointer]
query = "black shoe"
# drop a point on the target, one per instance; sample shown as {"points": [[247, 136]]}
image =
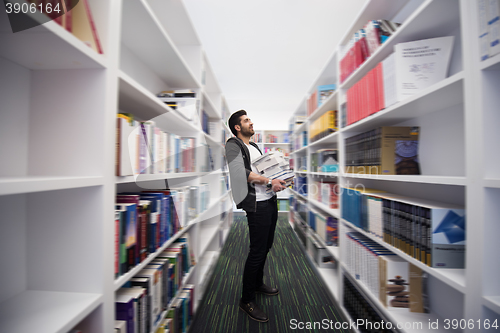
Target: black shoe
{"points": [[254, 312], [266, 290]]}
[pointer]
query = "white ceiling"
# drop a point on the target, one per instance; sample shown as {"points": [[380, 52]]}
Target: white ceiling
{"points": [[266, 54]]}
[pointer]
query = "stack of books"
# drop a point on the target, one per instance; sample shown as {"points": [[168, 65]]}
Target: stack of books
{"points": [[274, 165]]}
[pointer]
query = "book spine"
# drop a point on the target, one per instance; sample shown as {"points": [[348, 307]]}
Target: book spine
{"points": [[117, 244], [92, 25]]}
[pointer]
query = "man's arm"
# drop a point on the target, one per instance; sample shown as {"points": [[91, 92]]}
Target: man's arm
{"points": [[237, 171], [277, 184], [240, 175]]}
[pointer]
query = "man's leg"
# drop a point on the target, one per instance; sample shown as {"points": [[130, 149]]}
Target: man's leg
{"points": [[273, 214], [260, 226]]}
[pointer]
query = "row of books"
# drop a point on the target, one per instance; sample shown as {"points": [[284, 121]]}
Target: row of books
{"points": [[270, 138], [155, 296], [74, 16], [363, 44], [300, 185], [389, 150], [360, 310], [319, 254], [325, 226], [391, 279], [206, 157], [144, 221], [412, 67], [366, 96], [323, 126], [300, 207], [489, 27], [225, 135], [313, 241], [431, 232], [319, 96], [184, 101], [257, 138], [325, 191], [276, 149], [209, 127], [300, 140], [300, 227], [143, 148], [325, 160]]}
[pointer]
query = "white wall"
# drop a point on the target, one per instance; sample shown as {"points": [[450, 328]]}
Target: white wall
{"points": [[267, 53]]}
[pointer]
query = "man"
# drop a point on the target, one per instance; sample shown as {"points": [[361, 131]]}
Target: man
{"points": [[249, 193]]}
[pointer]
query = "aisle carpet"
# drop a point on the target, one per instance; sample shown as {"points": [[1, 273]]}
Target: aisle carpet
{"points": [[302, 297]]}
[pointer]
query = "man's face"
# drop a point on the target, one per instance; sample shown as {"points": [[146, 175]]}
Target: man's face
{"points": [[246, 126]]}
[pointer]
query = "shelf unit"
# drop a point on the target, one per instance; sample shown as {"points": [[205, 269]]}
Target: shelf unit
{"points": [[458, 118], [59, 103]]}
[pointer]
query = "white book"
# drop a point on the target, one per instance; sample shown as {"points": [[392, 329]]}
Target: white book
{"points": [[149, 127], [483, 29], [165, 152], [421, 63], [389, 78], [494, 26], [140, 308], [134, 139], [125, 164], [120, 326], [154, 292]]}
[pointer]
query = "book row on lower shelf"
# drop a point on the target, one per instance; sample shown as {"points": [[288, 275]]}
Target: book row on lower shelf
{"points": [[324, 225], [395, 282], [388, 150], [312, 243], [326, 192], [156, 299], [362, 312], [323, 160], [300, 141], [431, 232], [144, 221], [143, 148]]}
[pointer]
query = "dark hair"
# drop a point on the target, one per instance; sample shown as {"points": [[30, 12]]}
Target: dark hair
{"points": [[235, 120]]}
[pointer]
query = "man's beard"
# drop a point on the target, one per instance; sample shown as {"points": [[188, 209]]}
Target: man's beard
{"points": [[248, 132]]}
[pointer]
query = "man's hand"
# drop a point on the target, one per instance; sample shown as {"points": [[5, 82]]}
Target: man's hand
{"points": [[278, 185]]}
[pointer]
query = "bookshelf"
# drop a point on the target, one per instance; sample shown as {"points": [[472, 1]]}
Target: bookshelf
{"points": [[59, 101], [457, 118]]}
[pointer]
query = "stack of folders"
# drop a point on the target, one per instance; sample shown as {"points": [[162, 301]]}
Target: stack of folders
{"points": [[274, 165]]}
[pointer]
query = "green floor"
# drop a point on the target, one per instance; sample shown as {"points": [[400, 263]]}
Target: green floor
{"points": [[302, 298]]}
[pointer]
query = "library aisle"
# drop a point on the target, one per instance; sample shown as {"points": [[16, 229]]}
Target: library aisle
{"points": [[303, 297]]}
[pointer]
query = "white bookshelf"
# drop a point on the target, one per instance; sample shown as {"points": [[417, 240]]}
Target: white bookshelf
{"points": [[458, 118], [59, 101]]}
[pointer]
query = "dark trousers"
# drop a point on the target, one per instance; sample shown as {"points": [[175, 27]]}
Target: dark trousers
{"points": [[261, 226]]}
